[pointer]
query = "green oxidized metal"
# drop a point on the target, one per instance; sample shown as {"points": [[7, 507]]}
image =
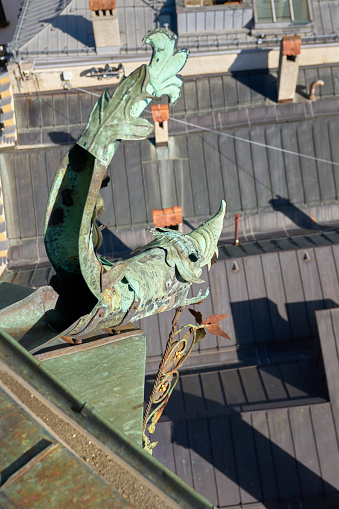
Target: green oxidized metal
{"points": [[87, 293]]}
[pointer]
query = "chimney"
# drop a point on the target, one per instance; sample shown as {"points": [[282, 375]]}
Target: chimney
{"points": [[170, 217], [105, 26], [288, 68], [160, 115]]}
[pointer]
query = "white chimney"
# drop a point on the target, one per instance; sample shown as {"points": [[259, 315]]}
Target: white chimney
{"points": [[160, 115], [288, 68], [105, 26]]}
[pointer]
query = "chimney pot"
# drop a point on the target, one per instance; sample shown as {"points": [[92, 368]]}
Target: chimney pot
{"points": [[160, 112], [102, 5]]}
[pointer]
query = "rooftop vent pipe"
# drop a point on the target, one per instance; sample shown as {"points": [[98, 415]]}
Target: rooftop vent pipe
{"points": [[314, 84]]}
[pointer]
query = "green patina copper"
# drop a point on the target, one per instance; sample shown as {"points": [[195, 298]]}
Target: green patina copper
{"points": [[88, 293]]}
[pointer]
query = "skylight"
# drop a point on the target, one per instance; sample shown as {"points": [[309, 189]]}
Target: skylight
{"points": [[282, 11]]}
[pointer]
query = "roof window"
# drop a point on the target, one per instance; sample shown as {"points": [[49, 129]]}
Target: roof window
{"points": [[282, 11]]}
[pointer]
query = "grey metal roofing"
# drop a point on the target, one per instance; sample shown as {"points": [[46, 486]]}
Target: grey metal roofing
{"points": [[272, 191], [277, 458], [35, 16], [206, 94], [270, 299], [202, 95], [261, 433], [297, 239], [71, 31], [264, 434], [215, 19], [196, 171], [326, 17], [54, 29]]}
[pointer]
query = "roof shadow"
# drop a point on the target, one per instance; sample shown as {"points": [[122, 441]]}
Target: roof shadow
{"points": [[112, 246], [299, 218], [234, 458], [260, 83], [61, 138], [242, 456], [302, 91], [259, 322], [76, 26]]}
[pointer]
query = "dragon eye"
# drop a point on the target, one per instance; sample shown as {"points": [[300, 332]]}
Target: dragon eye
{"points": [[193, 258]]}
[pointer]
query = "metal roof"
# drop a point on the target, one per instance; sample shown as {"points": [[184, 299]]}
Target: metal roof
{"points": [[272, 191], [326, 17], [202, 96], [214, 19], [70, 30], [35, 16], [264, 433], [55, 29], [196, 171], [281, 456]]}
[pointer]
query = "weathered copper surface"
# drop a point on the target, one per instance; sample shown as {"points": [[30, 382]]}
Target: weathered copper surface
{"points": [[88, 294], [108, 373], [36, 470]]}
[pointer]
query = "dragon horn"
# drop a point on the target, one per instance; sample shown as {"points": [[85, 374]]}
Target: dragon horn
{"points": [[207, 235]]}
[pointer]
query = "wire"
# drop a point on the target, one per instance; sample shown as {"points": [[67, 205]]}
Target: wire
{"points": [[253, 142], [257, 143], [86, 91], [246, 216]]}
